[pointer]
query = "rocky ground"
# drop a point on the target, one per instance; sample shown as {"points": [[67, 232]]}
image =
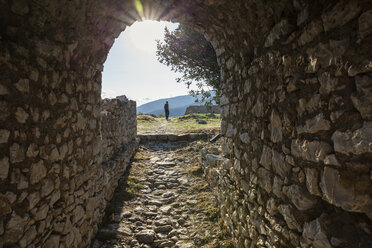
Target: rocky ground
{"points": [[163, 201]]}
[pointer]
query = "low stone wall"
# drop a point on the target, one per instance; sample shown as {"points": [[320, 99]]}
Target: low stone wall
{"points": [[57, 202], [172, 137], [203, 110], [119, 124]]}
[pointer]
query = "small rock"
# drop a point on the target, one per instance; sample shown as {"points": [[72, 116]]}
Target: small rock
{"points": [[145, 236], [163, 229], [17, 153], [362, 99], [4, 136], [202, 121], [168, 194], [41, 212], [32, 150], [331, 160], [312, 181], [47, 187], [37, 172], [168, 243], [266, 157], [166, 164], [21, 115], [4, 206], [127, 214], [162, 222], [138, 210], [276, 127], [3, 90], [33, 199], [244, 137], [4, 168], [23, 85]]}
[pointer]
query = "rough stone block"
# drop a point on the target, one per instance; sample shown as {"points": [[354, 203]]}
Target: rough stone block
{"points": [[280, 166], [276, 127], [314, 151], [347, 190], [266, 157], [312, 181], [311, 31], [357, 142], [340, 14], [37, 172], [4, 168], [314, 125], [287, 212], [315, 233], [299, 197], [280, 30], [365, 24], [362, 99]]}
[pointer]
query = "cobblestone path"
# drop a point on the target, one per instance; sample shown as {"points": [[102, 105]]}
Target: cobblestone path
{"points": [[163, 202]]}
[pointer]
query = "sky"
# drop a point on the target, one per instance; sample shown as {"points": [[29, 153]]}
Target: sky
{"points": [[132, 69]]}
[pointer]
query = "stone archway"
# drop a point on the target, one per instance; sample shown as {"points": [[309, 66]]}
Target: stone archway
{"points": [[296, 117]]}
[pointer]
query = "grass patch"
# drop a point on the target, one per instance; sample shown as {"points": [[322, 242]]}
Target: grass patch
{"points": [[199, 116], [182, 124], [195, 171], [146, 118], [212, 213], [133, 186], [197, 188]]}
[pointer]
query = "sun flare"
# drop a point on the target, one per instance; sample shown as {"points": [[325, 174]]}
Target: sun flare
{"points": [[144, 34]]}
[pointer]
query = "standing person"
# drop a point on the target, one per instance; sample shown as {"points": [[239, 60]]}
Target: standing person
{"points": [[166, 110]]}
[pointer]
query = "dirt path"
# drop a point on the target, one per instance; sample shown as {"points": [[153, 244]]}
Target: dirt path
{"points": [[163, 202]]}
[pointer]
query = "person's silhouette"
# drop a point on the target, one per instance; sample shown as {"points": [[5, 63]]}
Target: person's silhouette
{"points": [[166, 110]]}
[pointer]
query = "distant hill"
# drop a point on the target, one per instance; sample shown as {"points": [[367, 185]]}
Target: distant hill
{"points": [[177, 105]]}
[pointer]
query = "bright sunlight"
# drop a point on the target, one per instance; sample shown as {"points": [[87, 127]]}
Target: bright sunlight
{"points": [[144, 34], [132, 69]]}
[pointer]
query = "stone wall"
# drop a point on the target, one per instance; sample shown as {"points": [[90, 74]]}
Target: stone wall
{"points": [[118, 125], [298, 133], [59, 200], [296, 115], [203, 109]]}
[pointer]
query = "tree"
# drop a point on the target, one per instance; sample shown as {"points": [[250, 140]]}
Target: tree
{"points": [[188, 52]]}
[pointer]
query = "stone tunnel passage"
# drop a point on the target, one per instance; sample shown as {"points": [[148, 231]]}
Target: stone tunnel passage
{"points": [[296, 118], [164, 201]]}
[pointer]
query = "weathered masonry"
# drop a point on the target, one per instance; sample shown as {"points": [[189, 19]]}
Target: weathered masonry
{"points": [[297, 117]]}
